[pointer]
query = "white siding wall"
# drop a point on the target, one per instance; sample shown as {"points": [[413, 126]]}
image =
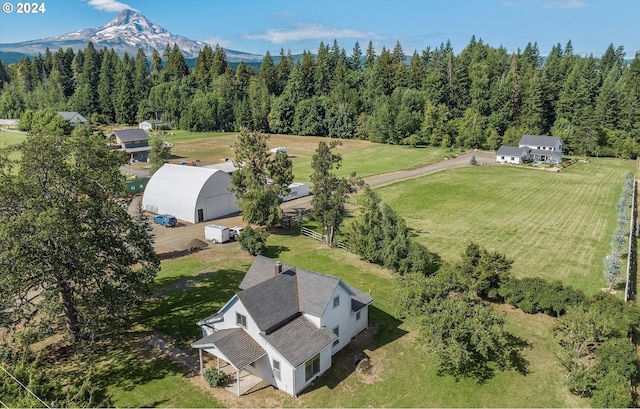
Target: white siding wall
{"points": [[263, 367], [299, 377], [339, 316], [507, 159]]}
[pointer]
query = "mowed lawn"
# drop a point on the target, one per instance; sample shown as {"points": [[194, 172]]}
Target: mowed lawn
{"points": [[363, 157], [554, 225], [192, 287]]}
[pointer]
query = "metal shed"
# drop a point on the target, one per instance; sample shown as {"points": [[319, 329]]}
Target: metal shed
{"points": [[190, 193]]}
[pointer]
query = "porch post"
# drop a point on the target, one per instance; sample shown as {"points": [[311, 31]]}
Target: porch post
{"points": [[201, 368], [218, 362], [238, 377]]}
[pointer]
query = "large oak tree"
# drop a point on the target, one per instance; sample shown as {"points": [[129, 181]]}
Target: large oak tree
{"points": [[71, 252]]}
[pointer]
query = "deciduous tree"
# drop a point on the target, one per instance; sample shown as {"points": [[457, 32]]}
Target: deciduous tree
{"points": [[71, 251]]}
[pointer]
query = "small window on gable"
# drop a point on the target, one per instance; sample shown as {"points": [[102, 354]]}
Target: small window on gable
{"points": [[358, 316], [241, 320], [336, 301]]}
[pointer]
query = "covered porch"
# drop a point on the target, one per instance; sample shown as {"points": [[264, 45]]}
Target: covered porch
{"points": [[234, 350]]}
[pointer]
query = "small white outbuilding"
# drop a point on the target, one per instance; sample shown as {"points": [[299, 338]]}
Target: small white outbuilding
{"points": [[190, 193]]}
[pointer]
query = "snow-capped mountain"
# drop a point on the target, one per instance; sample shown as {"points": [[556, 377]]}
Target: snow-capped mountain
{"points": [[128, 32]]}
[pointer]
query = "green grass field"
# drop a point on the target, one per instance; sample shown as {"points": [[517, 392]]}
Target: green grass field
{"points": [[363, 157], [553, 225], [406, 373]]}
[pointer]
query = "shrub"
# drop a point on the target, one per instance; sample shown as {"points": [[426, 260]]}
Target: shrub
{"points": [[534, 294], [215, 377], [473, 161], [253, 240]]}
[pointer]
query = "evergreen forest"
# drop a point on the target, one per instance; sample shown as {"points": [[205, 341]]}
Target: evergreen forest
{"points": [[480, 97]]}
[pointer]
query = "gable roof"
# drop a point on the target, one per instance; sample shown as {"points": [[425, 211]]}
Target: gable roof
{"points": [[314, 290], [299, 340], [539, 140], [511, 151], [131, 135], [273, 302], [235, 344], [68, 116]]}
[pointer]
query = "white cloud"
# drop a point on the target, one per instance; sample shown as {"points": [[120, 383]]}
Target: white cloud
{"points": [[565, 4], [109, 5], [219, 41], [308, 32]]}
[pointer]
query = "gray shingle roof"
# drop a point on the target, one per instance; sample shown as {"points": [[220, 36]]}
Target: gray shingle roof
{"points": [[131, 135], [272, 302], [70, 115], [235, 344], [300, 340], [314, 290], [538, 140], [511, 151]]}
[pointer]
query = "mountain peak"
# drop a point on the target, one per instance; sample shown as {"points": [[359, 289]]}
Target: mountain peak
{"points": [[127, 32]]}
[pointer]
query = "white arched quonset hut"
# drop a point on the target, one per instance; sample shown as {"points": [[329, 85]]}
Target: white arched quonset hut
{"points": [[190, 193]]}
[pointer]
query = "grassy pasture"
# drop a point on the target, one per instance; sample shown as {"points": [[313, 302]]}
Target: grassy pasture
{"points": [[553, 225], [363, 157], [406, 373]]}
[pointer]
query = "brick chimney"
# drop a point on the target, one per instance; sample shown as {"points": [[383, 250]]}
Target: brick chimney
{"points": [[277, 268]]}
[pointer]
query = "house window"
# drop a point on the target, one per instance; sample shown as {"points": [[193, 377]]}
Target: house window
{"points": [[502, 157], [276, 369], [241, 320], [358, 316], [336, 301], [312, 368], [513, 158], [336, 331]]}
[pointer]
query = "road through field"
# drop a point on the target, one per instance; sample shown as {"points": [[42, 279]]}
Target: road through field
{"points": [[168, 240]]}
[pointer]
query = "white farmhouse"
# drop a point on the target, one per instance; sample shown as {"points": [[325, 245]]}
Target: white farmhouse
{"points": [[285, 325], [532, 148], [542, 148]]}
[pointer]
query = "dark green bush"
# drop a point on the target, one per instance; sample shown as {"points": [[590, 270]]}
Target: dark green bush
{"points": [[535, 294], [253, 240], [215, 377]]}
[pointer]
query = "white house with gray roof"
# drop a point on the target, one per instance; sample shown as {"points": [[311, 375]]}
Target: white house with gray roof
{"points": [[285, 325], [511, 154], [532, 148]]}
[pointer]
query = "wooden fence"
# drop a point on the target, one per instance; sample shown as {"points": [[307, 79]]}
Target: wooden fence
{"points": [[311, 233]]}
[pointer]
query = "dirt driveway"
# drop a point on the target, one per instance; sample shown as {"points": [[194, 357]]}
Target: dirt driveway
{"points": [[174, 241]]}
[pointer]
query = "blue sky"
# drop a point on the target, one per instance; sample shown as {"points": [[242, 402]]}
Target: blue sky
{"points": [[256, 26]]}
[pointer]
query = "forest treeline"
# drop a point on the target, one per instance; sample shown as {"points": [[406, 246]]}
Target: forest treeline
{"points": [[481, 97]]}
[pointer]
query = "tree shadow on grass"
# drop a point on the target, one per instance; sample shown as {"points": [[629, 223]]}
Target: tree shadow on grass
{"points": [[273, 252], [180, 304], [124, 364], [383, 329]]}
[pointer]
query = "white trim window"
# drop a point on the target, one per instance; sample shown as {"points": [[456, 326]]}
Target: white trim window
{"points": [[276, 369], [336, 331], [241, 320], [311, 368], [336, 301]]}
